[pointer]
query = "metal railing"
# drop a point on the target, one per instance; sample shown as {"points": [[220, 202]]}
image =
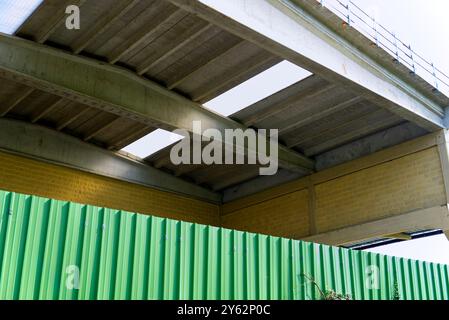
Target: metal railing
{"points": [[353, 16]]}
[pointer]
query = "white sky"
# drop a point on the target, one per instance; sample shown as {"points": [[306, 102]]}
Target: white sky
{"points": [[14, 12], [422, 23], [432, 249], [261, 86], [151, 143]]}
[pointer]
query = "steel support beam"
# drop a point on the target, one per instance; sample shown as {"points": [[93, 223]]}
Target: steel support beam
{"points": [[22, 96], [431, 218], [443, 150], [115, 90], [115, 13], [289, 31], [48, 145], [258, 184], [369, 145]]}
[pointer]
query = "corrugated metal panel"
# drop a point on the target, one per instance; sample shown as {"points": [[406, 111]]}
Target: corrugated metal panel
{"points": [[122, 255]]}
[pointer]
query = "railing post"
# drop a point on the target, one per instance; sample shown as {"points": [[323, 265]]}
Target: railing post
{"points": [[349, 12], [375, 32], [413, 60], [435, 76], [396, 46]]}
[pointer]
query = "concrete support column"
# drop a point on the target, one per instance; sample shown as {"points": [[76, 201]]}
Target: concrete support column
{"points": [[312, 207], [430, 218], [443, 149]]}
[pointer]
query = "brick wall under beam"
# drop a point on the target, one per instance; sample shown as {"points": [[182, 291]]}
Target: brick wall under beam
{"points": [[24, 175], [392, 182]]}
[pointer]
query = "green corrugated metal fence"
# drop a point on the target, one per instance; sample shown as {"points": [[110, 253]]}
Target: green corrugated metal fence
{"points": [[121, 255]]}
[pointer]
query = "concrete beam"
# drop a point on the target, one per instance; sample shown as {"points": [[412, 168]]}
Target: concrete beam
{"points": [[68, 119], [115, 90], [151, 28], [51, 146], [369, 145], [399, 236], [431, 218], [56, 20], [22, 96], [371, 123], [40, 114], [320, 115], [259, 184], [289, 31], [114, 14], [150, 62]]}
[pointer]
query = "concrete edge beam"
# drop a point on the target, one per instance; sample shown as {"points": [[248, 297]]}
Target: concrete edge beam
{"points": [[430, 218], [40, 143]]}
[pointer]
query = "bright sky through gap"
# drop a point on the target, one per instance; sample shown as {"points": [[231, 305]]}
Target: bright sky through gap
{"points": [[432, 249], [239, 97], [14, 12], [257, 88], [151, 143]]}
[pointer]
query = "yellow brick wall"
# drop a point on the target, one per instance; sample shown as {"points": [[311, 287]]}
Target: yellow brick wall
{"points": [[23, 175], [342, 198], [406, 184], [388, 188], [285, 216]]}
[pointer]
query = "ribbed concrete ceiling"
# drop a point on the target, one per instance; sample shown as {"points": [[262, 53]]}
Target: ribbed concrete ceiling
{"points": [[196, 59]]}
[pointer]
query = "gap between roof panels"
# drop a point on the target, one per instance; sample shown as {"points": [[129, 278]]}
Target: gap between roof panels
{"points": [[266, 83], [152, 143]]}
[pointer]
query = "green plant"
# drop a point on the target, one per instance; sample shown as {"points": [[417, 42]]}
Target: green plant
{"points": [[327, 294]]}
